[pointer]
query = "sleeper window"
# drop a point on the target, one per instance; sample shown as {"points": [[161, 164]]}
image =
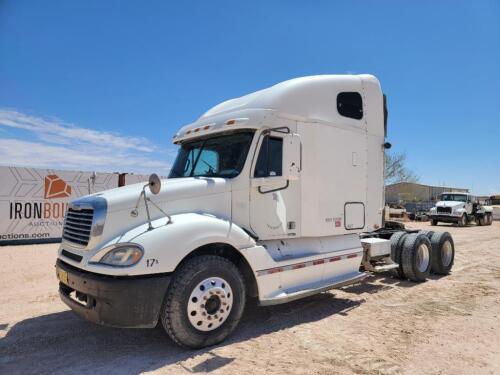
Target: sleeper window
{"points": [[350, 104], [269, 162]]}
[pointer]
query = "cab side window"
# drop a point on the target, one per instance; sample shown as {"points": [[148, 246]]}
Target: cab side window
{"points": [[269, 162]]}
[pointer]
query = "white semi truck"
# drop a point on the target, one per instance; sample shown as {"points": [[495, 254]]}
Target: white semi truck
{"points": [[277, 195]]}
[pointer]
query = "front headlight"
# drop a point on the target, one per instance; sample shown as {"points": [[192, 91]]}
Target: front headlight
{"points": [[123, 256]]}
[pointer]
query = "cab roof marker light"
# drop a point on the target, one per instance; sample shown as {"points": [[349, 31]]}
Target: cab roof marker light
{"points": [[206, 127], [235, 121], [196, 130]]}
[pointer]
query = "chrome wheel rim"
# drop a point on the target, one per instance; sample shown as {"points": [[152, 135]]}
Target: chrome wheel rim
{"points": [[423, 258], [446, 253], [210, 304]]}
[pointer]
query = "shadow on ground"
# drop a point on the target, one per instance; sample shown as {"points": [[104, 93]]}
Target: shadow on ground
{"points": [[64, 343], [375, 283]]}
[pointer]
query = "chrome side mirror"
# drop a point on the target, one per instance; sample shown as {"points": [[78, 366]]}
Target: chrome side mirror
{"points": [[154, 184]]}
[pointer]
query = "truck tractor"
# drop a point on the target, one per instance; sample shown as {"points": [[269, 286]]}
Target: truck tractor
{"points": [[276, 195], [461, 209]]}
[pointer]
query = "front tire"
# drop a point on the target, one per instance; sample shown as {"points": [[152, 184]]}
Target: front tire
{"points": [[462, 222], [434, 222], [204, 302]]}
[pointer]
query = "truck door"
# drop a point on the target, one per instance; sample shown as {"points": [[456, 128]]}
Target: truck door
{"points": [[274, 199]]}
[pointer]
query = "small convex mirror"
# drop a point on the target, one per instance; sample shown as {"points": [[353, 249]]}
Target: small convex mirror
{"points": [[154, 183], [291, 156]]}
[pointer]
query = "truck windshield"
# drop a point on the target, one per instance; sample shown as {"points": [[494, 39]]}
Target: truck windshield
{"points": [[454, 197], [217, 156]]}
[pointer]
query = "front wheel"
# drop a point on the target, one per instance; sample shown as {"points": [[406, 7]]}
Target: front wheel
{"points": [[462, 222], [204, 302], [434, 222]]}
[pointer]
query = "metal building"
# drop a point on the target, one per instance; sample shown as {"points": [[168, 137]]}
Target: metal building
{"points": [[403, 192]]}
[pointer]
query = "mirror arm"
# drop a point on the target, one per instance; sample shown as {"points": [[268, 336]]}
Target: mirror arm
{"points": [[163, 212], [146, 199]]}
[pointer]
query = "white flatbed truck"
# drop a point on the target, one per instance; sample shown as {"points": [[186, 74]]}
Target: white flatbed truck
{"points": [[276, 195], [462, 209]]}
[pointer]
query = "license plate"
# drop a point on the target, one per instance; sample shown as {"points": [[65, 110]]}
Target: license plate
{"points": [[62, 276]]}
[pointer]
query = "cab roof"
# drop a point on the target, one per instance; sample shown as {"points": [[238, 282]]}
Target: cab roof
{"points": [[308, 98]]}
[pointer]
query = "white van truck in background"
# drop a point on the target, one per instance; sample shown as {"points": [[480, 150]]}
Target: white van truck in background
{"points": [[276, 195]]}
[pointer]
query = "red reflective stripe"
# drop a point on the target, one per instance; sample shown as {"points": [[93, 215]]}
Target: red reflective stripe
{"points": [[352, 255], [335, 259], [319, 261], [274, 270], [297, 266]]}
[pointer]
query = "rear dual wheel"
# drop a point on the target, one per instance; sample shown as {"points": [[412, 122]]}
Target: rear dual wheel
{"points": [[397, 240], [489, 219], [443, 253], [412, 252], [419, 254], [416, 257]]}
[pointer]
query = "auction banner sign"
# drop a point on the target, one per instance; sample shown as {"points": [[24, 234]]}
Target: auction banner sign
{"points": [[33, 201]]}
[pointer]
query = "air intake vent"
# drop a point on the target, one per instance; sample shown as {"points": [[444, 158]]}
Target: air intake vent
{"points": [[444, 210], [78, 225]]}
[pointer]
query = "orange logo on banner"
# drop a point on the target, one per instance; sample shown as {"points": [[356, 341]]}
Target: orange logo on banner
{"points": [[55, 187]]}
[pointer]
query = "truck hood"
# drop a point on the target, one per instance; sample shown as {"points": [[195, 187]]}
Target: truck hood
{"points": [[126, 197], [452, 204]]}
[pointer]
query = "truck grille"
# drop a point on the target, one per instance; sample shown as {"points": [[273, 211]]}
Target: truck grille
{"points": [[77, 226], [444, 210]]}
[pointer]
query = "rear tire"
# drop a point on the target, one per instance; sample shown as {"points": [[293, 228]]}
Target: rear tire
{"points": [[443, 253], [416, 257], [397, 240], [489, 219], [481, 221], [428, 233], [204, 302]]}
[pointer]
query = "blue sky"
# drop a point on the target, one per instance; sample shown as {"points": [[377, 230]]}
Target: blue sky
{"points": [[131, 73]]}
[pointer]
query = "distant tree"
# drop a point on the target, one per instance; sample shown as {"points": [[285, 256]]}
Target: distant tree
{"points": [[396, 170]]}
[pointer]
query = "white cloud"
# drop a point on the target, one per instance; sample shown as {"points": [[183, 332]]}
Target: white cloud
{"points": [[57, 131], [65, 146]]}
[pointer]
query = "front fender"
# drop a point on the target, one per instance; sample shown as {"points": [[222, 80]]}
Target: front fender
{"points": [[166, 245]]}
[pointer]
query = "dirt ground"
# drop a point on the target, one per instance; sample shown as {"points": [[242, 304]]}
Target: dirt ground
{"points": [[447, 325]]}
